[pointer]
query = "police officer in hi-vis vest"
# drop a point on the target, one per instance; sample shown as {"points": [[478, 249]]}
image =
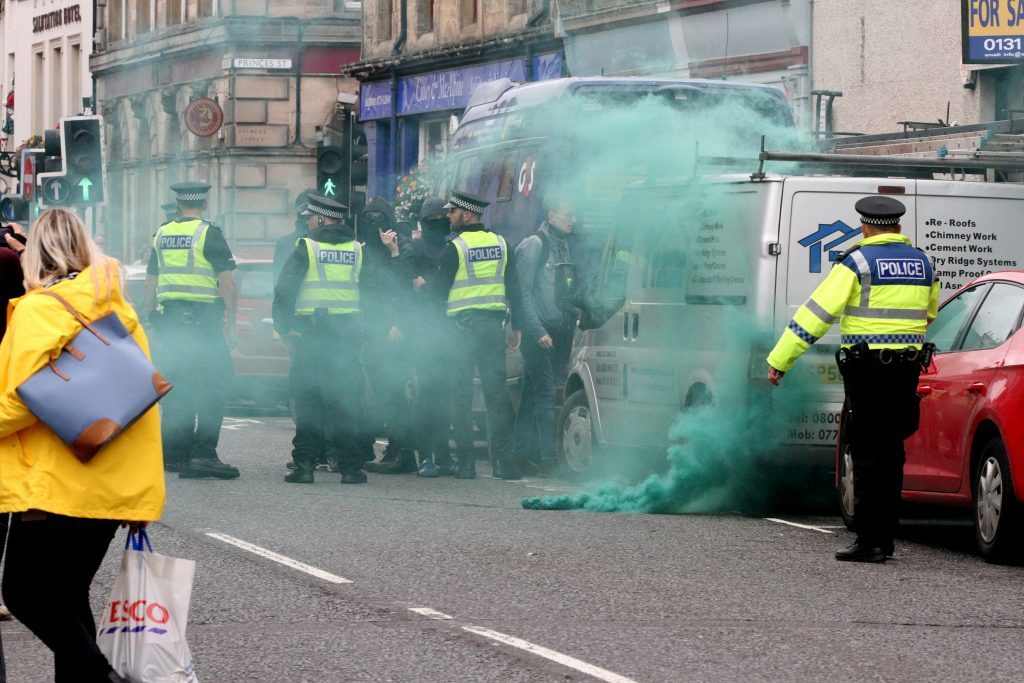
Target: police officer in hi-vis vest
{"points": [[884, 293], [189, 278], [317, 311], [472, 275]]}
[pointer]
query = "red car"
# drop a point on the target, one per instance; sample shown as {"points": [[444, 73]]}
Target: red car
{"points": [[261, 359], [969, 450]]}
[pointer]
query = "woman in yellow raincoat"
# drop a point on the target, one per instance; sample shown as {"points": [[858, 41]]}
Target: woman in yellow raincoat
{"points": [[66, 511]]}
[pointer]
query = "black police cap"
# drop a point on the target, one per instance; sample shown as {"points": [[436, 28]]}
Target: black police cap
{"points": [[464, 200], [880, 210], [324, 206], [192, 191]]}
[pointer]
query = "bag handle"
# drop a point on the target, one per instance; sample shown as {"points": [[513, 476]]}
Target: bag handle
{"points": [[78, 316], [139, 541]]}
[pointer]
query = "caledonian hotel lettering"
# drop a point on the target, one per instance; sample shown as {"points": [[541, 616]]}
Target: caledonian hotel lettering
{"points": [[67, 15]]}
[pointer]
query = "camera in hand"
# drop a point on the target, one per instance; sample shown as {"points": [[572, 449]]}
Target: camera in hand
{"points": [[8, 230]]}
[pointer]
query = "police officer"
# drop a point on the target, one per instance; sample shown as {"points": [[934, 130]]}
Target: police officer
{"points": [[170, 210], [885, 293], [284, 246], [317, 309], [189, 277], [473, 276]]}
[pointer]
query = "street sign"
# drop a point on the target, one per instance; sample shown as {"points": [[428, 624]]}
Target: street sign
{"points": [[56, 191], [260, 63]]}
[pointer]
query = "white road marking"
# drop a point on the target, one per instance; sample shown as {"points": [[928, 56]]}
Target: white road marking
{"points": [[564, 660], [800, 526], [429, 613], [281, 559]]}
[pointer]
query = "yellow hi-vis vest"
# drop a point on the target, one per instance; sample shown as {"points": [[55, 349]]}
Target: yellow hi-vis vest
{"points": [[480, 280], [185, 274], [886, 292], [332, 279]]}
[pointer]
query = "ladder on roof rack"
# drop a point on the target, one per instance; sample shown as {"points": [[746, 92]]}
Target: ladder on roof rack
{"points": [[1003, 162]]}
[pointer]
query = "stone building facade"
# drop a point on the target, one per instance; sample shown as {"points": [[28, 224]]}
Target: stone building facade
{"points": [[901, 61], [271, 67], [423, 58]]}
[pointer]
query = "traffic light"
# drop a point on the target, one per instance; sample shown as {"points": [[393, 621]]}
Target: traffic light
{"points": [[13, 208], [82, 147], [81, 180], [332, 173]]}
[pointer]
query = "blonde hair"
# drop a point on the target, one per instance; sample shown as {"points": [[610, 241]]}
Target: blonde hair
{"points": [[58, 245]]}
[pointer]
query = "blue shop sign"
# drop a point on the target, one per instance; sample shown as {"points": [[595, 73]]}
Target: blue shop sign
{"points": [[449, 89]]}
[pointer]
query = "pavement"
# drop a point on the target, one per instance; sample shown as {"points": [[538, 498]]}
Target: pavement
{"points": [[407, 579]]}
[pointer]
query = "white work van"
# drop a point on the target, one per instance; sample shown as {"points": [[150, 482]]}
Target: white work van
{"points": [[700, 276]]}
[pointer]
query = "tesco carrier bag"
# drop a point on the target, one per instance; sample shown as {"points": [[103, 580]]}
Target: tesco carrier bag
{"points": [[142, 632]]}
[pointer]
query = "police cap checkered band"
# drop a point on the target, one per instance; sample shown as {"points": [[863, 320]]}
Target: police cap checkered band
{"points": [[191, 192], [461, 200], [324, 206], [880, 210]]}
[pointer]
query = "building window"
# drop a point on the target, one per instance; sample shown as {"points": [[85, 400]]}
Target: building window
{"points": [[115, 20], [469, 11], [516, 7], [434, 138], [425, 15], [143, 18], [75, 74], [385, 12], [204, 8], [174, 13], [38, 115]]}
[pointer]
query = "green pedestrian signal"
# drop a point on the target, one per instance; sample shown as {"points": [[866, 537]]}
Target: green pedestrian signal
{"points": [[329, 188]]}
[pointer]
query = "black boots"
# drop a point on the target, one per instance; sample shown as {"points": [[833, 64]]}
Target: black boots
{"points": [[506, 468], [466, 468], [301, 474], [861, 552], [208, 468], [395, 461]]}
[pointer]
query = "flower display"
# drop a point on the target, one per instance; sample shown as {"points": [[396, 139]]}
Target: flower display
{"points": [[413, 189]]}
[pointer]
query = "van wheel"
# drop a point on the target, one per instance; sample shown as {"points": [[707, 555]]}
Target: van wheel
{"points": [[997, 512], [845, 489], [574, 438]]}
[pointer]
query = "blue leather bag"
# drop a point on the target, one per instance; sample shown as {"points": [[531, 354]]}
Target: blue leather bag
{"points": [[99, 385]]}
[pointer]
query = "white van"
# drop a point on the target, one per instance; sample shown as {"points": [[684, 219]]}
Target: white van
{"points": [[700, 276]]}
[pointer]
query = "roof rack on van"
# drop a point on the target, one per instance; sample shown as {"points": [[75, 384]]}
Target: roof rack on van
{"points": [[979, 162]]}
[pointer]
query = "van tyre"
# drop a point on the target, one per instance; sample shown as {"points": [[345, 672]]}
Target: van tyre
{"points": [[575, 443], [997, 510]]}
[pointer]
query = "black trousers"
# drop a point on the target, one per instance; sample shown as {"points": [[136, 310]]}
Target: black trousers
{"points": [[478, 343], [193, 355], [327, 381], [545, 372], [50, 566], [388, 412], [883, 410]]}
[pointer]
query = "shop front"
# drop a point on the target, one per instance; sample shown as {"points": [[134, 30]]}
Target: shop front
{"points": [[428, 106]]}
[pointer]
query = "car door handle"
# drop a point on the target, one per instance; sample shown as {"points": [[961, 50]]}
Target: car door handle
{"points": [[636, 325], [978, 389], [625, 325], [924, 391]]}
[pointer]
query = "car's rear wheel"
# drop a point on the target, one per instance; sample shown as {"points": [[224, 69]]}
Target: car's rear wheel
{"points": [[846, 484], [575, 442], [997, 511]]}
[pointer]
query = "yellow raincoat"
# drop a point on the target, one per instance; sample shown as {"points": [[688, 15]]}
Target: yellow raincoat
{"points": [[125, 480]]}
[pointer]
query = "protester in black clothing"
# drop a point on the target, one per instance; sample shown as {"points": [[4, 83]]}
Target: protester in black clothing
{"points": [[284, 246], [476, 307], [317, 309], [386, 357], [548, 328], [429, 326]]}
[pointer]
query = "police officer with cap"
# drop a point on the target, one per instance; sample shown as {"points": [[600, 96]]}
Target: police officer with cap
{"points": [[317, 309], [472, 277], [170, 210], [884, 292], [284, 246], [189, 278]]}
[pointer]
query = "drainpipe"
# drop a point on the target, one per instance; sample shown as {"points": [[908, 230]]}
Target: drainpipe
{"points": [[403, 28], [299, 51], [541, 12], [396, 155]]}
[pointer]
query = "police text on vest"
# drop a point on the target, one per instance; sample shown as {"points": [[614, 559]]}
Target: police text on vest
{"points": [[337, 257], [176, 241], [485, 254], [900, 269]]}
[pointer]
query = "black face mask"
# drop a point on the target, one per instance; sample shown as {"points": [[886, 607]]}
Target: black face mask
{"points": [[436, 226]]}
